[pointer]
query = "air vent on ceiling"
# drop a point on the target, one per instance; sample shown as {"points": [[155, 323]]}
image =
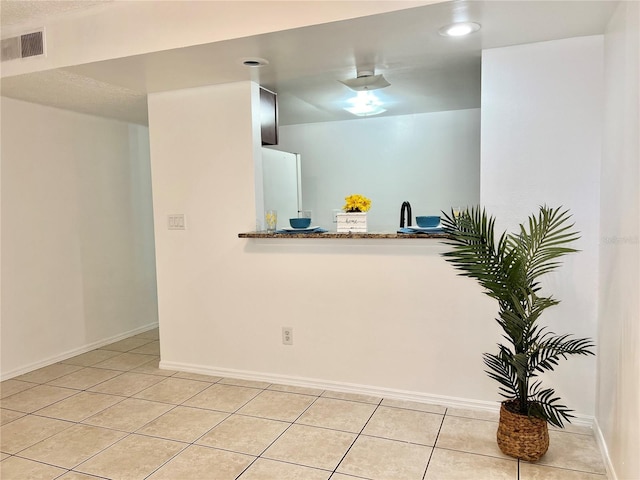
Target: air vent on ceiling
{"points": [[26, 45]]}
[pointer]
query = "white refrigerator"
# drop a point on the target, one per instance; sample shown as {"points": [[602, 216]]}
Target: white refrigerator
{"points": [[281, 184]]}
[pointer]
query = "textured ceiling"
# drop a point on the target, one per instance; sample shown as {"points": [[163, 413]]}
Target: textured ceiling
{"points": [[63, 89], [20, 11]]}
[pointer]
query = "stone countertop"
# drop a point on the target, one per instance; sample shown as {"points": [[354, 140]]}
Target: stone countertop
{"points": [[334, 235]]}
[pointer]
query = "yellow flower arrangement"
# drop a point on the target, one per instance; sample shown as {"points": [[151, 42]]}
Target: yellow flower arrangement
{"points": [[356, 203]]}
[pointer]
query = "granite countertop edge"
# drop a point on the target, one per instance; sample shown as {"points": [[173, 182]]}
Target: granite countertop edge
{"points": [[335, 235]]}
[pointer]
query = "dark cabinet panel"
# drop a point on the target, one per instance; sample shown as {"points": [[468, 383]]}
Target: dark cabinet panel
{"points": [[269, 117]]}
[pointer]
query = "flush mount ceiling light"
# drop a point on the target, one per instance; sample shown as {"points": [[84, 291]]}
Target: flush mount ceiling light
{"points": [[459, 29], [365, 103], [366, 80]]}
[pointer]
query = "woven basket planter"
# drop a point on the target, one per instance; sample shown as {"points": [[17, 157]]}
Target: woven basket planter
{"points": [[521, 436]]}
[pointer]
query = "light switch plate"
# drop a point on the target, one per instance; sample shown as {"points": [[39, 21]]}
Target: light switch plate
{"points": [[176, 221]]}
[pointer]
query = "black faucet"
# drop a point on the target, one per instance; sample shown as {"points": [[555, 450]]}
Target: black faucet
{"points": [[406, 207]]}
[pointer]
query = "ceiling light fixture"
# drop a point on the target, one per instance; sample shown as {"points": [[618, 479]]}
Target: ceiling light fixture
{"points": [[366, 80], [365, 103], [459, 29]]}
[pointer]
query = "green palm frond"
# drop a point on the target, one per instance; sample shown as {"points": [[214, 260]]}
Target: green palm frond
{"points": [[509, 270], [475, 252], [543, 404], [546, 353], [502, 372], [542, 244]]}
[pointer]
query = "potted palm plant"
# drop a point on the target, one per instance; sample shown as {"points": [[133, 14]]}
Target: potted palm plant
{"points": [[509, 270]]}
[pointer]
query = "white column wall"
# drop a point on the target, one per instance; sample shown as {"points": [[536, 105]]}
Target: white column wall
{"points": [[77, 239], [378, 316], [618, 393], [541, 144]]}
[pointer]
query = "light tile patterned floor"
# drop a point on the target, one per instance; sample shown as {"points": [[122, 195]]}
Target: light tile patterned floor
{"points": [[111, 413]]}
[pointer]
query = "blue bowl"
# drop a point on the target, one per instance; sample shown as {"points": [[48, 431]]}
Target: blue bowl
{"points": [[300, 222], [428, 221]]}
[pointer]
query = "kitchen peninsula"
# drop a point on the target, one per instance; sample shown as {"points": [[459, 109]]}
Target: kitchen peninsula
{"points": [[335, 235]]}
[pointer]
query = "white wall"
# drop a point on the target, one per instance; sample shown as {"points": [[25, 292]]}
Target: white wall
{"points": [[618, 394], [541, 144], [430, 159], [377, 315], [77, 238]]}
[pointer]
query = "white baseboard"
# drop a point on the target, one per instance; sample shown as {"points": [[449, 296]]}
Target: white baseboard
{"points": [[76, 351], [375, 391], [602, 445], [390, 393]]}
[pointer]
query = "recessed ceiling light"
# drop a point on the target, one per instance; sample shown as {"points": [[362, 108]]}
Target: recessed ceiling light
{"points": [[459, 29], [254, 62]]}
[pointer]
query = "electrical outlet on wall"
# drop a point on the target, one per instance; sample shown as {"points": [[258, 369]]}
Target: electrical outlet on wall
{"points": [[287, 336]]}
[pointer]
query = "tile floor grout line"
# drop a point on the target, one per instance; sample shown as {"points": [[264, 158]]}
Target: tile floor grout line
{"points": [[128, 434], [44, 385], [538, 464], [291, 424], [175, 405], [288, 462], [61, 431], [17, 454], [229, 415], [25, 390], [46, 463], [235, 412], [435, 442], [473, 418], [335, 470], [168, 459], [509, 459], [86, 389], [122, 374], [82, 420], [275, 439], [193, 443], [159, 401]]}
